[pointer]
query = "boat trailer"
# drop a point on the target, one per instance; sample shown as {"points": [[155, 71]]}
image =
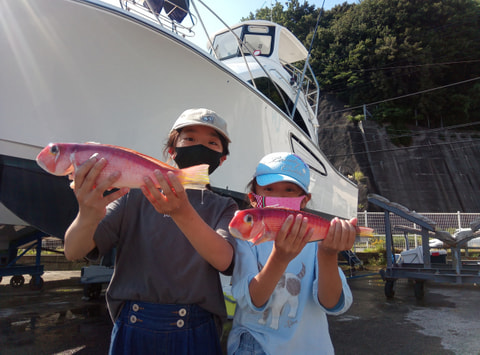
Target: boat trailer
{"points": [[426, 267], [27, 238]]}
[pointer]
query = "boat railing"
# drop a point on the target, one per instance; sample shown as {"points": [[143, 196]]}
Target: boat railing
{"points": [[167, 13], [309, 86]]}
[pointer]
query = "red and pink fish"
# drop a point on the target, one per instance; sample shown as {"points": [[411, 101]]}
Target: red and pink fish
{"points": [[64, 158], [259, 225]]}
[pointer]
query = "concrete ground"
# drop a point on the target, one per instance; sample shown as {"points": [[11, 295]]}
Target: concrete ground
{"points": [[56, 320], [446, 321]]}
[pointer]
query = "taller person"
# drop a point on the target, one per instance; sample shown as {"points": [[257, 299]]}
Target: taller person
{"points": [[165, 295]]}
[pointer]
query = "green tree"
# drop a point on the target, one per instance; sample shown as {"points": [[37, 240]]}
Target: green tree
{"points": [[383, 49], [403, 55]]}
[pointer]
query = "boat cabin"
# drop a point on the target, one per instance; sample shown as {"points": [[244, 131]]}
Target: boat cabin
{"points": [[259, 38], [270, 57]]}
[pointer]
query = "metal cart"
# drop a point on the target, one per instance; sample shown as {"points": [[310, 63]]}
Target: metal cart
{"points": [[25, 238], [457, 271]]}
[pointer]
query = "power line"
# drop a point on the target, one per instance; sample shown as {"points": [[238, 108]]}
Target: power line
{"points": [[465, 144], [419, 65], [433, 130], [471, 143], [415, 133], [403, 96]]}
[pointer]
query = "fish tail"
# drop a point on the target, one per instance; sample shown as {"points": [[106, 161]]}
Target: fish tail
{"points": [[195, 176], [364, 232]]}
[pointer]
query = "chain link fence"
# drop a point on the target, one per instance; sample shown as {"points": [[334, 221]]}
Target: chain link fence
{"points": [[449, 222]]}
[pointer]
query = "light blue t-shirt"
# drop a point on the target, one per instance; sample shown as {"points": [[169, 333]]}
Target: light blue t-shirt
{"points": [[292, 321]]}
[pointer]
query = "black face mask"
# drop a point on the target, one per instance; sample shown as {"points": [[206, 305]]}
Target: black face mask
{"points": [[196, 155]]}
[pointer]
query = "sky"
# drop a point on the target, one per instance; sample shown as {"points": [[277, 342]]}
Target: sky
{"points": [[231, 11]]}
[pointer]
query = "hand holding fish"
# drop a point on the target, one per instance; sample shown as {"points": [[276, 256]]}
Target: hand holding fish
{"points": [[91, 200], [291, 239], [340, 236], [171, 198], [92, 206]]}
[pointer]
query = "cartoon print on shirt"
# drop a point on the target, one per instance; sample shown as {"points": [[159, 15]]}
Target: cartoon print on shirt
{"points": [[286, 292]]}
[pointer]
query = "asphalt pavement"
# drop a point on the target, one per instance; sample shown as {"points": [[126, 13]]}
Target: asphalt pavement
{"points": [[56, 320]]}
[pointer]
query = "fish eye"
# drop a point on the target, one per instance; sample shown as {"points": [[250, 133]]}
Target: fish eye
{"points": [[54, 149], [248, 219]]}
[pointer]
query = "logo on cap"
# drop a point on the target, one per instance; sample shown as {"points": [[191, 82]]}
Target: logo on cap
{"points": [[208, 119]]}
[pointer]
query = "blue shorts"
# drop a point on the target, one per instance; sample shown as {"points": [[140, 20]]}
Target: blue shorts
{"points": [[149, 328]]}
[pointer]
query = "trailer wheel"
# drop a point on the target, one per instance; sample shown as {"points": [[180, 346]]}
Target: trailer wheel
{"points": [[17, 281], [390, 288], [36, 283], [419, 289]]}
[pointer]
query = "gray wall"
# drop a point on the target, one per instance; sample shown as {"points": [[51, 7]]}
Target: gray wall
{"points": [[438, 172]]}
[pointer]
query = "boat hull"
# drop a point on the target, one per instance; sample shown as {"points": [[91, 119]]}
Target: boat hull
{"points": [[78, 71]]}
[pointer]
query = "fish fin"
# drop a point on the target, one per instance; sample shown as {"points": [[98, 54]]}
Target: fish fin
{"points": [[262, 233], [195, 176], [264, 237], [258, 239], [258, 228], [364, 232]]}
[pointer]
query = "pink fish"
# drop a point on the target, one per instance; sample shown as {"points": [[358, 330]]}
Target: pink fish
{"points": [[64, 158], [259, 225]]}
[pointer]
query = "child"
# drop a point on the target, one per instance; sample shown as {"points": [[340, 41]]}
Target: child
{"points": [[285, 288], [165, 294]]}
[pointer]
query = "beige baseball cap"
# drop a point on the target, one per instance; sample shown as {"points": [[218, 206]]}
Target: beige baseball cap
{"points": [[204, 117]]}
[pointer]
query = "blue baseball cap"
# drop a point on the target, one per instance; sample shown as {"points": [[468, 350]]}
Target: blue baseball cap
{"points": [[283, 166]]}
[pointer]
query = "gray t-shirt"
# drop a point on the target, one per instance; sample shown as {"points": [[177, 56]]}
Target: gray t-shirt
{"points": [[154, 261]]}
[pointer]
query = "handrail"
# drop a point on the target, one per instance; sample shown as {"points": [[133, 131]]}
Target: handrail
{"points": [[146, 9], [309, 87]]}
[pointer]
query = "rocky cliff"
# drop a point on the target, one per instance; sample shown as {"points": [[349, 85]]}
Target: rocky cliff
{"points": [[438, 171]]}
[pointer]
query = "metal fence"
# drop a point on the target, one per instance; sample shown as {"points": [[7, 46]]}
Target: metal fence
{"points": [[449, 222]]}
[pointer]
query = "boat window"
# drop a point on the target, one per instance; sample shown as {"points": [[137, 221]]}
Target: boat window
{"points": [[257, 44], [225, 44], [258, 29], [257, 40], [266, 87], [312, 159]]}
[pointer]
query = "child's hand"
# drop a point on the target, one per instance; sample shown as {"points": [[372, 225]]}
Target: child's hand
{"points": [[340, 236], [292, 238], [172, 196], [91, 200]]}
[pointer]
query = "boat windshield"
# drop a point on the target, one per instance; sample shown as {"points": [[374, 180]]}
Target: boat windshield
{"points": [[257, 39]]}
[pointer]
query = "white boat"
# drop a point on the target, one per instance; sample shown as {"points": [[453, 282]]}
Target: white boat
{"points": [[85, 70]]}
